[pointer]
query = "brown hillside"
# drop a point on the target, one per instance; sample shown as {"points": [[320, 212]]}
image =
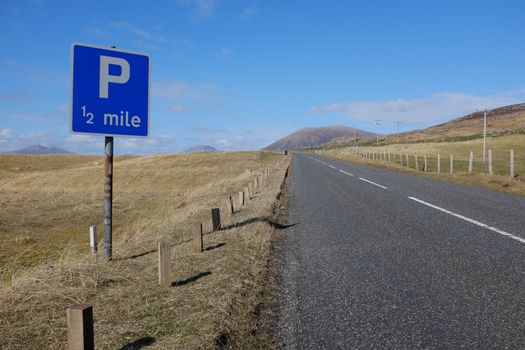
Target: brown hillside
{"points": [[502, 120]]}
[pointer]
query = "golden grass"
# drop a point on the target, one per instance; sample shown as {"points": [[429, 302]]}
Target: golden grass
{"points": [[46, 267], [500, 146]]}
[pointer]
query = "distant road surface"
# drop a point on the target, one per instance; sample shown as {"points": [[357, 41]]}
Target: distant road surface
{"points": [[384, 260]]}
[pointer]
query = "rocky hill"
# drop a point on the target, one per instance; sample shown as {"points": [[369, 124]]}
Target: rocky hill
{"points": [[309, 137]]}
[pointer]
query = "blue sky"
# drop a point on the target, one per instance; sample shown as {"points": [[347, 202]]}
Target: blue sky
{"points": [[239, 74]]}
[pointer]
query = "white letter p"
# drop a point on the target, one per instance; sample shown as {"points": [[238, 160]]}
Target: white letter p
{"points": [[105, 78]]}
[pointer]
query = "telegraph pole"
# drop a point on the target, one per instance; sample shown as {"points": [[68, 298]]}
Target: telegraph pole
{"points": [[397, 135], [484, 134], [378, 123]]}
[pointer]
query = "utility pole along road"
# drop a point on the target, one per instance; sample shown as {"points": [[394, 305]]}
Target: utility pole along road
{"points": [[379, 259]]}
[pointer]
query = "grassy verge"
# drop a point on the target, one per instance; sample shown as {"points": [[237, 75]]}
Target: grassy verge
{"points": [[215, 294]]}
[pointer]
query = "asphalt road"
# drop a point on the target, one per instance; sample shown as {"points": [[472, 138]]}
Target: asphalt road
{"points": [[384, 260]]}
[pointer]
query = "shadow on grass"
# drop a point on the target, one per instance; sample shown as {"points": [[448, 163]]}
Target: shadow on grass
{"points": [[274, 224], [139, 343], [150, 251], [191, 279], [135, 256], [218, 245]]}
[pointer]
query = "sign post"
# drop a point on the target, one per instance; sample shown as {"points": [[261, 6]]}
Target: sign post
{"points": [[110, 96]]}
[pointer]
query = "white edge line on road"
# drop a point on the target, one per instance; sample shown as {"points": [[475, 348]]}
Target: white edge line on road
{"points": [[344, 172], [373, 183], [331, 166], [493, 229]]}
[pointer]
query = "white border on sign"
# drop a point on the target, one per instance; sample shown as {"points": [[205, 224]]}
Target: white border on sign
{"points": [[72, 50]]}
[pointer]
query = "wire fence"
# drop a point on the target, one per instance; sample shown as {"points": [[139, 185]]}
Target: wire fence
{"points": [[496, 162]]}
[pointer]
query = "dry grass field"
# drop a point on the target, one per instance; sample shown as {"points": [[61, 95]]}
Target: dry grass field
{"points": [[500, 147], [48, 203]]}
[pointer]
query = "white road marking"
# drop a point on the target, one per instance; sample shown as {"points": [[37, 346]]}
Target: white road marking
{"points": [[373, 183], [331, 166], [344, 172], [493, 229]]}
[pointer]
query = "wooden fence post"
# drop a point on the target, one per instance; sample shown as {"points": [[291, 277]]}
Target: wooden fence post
{"points": [[80, 327], [511, 163], [93, 239], [229, 205], [164, 262], [439, 164], [490, 161], [417, 165], [198, 244], [255, 184], [425, 164], [451, 163], [389, 156], [241, 199], [470, 162], [250, 190], [408, 163], [400, 159], [216, 219], [246, 195]]}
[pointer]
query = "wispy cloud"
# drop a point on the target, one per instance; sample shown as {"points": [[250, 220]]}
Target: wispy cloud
{"points": [[61, 111], [201, 8], [438, 107], [208, 131], [178, 108], [150, 145], [177, 89], [136, 146], [141, 37], [15, 96], [237, 139], [133, 29], [38, 74], [249, 11], [223, 53]]}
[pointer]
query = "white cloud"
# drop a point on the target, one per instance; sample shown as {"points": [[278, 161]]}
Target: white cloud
{"points": [[84, 143], [438, 107], [150, 40], [38, 74], [177, 89], [201, 8], [143, 36], [237, 139], [178, 108], [5, 135], [15, 96], [249, 10], [10, 141], [150, 145], [61, 111], [223, 53]]}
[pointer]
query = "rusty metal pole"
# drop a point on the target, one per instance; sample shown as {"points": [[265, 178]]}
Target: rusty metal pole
{"points": [[108, 198]]}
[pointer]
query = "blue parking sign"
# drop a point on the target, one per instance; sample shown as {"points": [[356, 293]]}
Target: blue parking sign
{"points": [[110, 91]]}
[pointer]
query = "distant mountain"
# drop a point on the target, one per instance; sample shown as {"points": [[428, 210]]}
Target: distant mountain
{"points": [[39, 149], [200, 148], [310, 137]]}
